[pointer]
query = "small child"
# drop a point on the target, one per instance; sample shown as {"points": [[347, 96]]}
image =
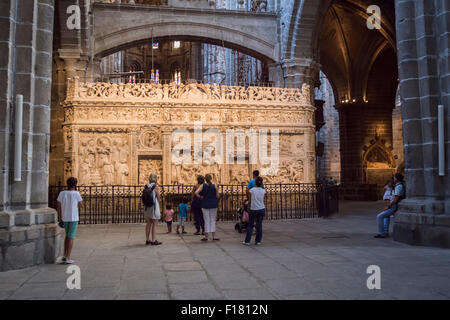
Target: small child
{"points": [[169, 217], [182, 215], [387, 192]]}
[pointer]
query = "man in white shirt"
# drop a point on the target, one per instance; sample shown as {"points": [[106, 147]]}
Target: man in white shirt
{"points": [[257, 211], [383, 219], [69, 203]]}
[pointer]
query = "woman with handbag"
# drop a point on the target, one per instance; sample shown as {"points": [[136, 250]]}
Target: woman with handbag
{"points": [[152, 213], [209, 195]]}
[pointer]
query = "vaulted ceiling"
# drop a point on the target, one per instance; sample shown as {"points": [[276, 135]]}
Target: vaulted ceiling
{"points": [[358, 61]]}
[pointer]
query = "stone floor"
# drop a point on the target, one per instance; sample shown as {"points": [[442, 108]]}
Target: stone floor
{"points": [[302, 259]]}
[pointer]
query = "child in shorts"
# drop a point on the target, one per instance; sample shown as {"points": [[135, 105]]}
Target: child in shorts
{"points": [[69, 204], [169, 217], [182, 215]]}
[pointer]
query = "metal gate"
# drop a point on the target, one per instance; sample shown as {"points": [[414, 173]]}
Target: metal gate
{"points": [[123, 204]]}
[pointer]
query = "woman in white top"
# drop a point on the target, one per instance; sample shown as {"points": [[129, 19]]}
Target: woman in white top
{"points": [[152, 214], [257, 212]]}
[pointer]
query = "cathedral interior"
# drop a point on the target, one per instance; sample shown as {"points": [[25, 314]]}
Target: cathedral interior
{"points": [[356, 89]]}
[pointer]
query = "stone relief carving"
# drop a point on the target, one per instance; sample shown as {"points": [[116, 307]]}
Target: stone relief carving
{"points": [[103, 160], [148, 166], [187, 173], [150, 139], [239, 174], [290, 171], [192, 91], [109, 127]]}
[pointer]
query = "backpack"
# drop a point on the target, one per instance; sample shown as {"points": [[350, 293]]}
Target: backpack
{"points": [[147, 196]]}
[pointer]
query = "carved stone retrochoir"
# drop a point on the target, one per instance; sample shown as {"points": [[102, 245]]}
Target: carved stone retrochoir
{"points": [[117, 134]]}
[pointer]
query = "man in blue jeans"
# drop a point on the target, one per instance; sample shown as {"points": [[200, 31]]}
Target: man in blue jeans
{"points": [[383, 219], [257, 211]]}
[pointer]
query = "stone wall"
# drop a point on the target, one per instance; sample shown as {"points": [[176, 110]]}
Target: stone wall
{"points": [[28, 234], [424, 68]]}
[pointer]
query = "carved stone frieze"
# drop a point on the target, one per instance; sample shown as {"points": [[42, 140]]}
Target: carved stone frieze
{"points": [[117, 134], [79, 91]]}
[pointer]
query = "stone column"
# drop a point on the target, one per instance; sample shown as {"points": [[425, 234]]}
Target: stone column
{"points": [[28, 234], [310, 161], [276, 74], [352, 140], [422, 40], [298, 71]]}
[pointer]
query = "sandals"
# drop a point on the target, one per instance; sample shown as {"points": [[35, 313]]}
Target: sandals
{"points": [[148, 242], [156, 242]]}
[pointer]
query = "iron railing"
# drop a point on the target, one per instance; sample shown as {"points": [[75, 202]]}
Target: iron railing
{"points": [[123, 204]]}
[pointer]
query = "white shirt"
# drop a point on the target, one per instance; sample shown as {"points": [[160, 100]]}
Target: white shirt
{"points": [[399, 190], [69, 205], [257, 200], [155, 207]]}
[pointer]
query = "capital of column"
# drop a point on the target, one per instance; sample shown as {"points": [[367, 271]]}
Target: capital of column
{"points": [[72, 59], [301, 70]]}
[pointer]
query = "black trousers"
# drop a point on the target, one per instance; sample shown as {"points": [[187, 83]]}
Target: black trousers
{"points": [[198, 218]]}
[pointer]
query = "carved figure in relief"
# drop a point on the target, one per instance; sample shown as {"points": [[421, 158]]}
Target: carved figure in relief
{"points": [[108, 173], [91, 151], [122, 173], [147, 166], [84, 174], [238, 174], [191, 91], [115, 154], [167, 115], [123, 151], [285, 144]]}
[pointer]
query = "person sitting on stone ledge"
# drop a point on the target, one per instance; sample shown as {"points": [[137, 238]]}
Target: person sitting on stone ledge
{"points": [[383, 219]]}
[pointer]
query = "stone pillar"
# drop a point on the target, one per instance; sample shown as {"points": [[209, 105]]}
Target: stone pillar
{"points": [[196, 63], [299, 71], [352, 141], [28, 233], [215, 58], [397, 136], [310, 164], [422, 40], [276, 74]]}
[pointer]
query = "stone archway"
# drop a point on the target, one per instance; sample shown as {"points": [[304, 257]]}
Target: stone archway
{"points": [[378, 162], [210, 26]]}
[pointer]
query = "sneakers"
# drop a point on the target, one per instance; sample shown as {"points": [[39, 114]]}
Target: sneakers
{"points": [[64, 259], [381, 236], [68, 261], [245, 243], [258, 243]]}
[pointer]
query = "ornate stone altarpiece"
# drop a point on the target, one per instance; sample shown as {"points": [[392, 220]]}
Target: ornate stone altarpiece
{"points": [[117, 134]]}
